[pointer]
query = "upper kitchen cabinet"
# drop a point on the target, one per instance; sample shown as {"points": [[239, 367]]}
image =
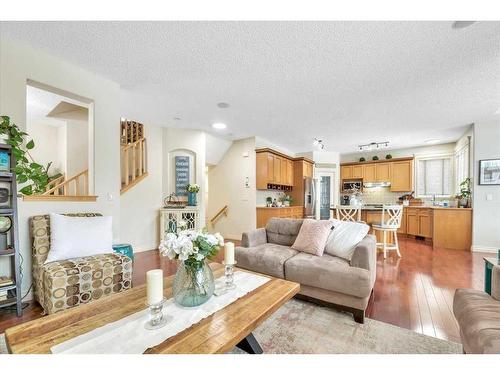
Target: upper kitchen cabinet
{"points": [[357, 171], [274, 170], [399, 172], [346, 172], [402, 176], [368, 172], [383, 172]]}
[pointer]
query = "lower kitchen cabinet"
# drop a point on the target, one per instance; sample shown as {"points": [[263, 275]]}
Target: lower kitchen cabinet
{"points": [[266, 213], [419, 222]]}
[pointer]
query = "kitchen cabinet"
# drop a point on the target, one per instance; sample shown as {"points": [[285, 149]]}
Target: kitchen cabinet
{"points": [[264, 214], [357, 171], [273, 169], [289, 172], [452, 228], [419, 222], [383, 172], [368, 172], [402, 176], [404, 220], [302, 168], [346, 172], [308, 169]]}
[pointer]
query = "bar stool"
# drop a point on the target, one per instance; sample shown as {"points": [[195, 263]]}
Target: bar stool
{"points": [[391, 221], [348, 213]]}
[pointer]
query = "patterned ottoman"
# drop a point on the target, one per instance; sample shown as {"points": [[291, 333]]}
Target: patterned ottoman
{"points": [[64, 284]]}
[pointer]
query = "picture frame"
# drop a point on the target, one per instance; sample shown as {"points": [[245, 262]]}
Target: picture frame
{"points": [[489, 172]]}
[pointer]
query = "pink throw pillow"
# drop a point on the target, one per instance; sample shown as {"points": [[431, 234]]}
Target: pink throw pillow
{"points": [[312, 236]]}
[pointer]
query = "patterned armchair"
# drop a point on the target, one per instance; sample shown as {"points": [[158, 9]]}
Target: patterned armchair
{"points": [[69, 283]]}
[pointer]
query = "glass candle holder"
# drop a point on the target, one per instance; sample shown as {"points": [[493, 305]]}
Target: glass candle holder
{"points": [[156, 319], [229, 274]]}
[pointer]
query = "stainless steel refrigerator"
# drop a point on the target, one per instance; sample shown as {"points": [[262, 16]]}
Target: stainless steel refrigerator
{"points": [[309, 198]]}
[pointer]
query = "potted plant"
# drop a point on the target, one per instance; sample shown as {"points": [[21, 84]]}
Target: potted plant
{"points": [[465, 193], [194, 281], [287, 201], [269, 201], [33, 175], [362, 159], [192, 190], [388, 156], [375, 157]]}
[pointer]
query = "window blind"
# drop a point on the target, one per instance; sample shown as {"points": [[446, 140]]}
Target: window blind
{"points": [[435, 177]]}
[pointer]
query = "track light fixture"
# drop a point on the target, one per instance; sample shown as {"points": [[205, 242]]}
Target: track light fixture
{"points": [[318, 143], [373, 146]]}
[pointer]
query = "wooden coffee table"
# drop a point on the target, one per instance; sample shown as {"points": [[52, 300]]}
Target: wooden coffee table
{"points": [[232, 326]]}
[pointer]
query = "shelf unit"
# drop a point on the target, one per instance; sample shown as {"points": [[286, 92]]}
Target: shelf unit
{"points": [[12, 251]]}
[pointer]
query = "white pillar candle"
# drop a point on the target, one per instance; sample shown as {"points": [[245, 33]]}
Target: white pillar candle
{"points": [[229, 253], [154, 279]]}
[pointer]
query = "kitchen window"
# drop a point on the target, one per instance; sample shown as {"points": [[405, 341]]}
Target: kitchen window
{"points": [[434, 176]]}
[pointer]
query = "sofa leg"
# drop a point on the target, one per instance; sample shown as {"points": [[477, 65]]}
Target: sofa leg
{"points": [[359, 316]]}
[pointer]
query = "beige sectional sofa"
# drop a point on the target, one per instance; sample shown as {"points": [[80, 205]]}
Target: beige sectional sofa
{"points": [[478, 316], [343, 284]]}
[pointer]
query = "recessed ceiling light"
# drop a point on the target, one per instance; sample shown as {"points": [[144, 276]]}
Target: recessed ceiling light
{"points": [[223, 105], [219, 125], [461, 24], [432, 141]]}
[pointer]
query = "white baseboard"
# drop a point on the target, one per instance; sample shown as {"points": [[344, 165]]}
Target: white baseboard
{"points": [[484, 249]]}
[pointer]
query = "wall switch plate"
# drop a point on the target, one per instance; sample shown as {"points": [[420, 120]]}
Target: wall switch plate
{"points": [[489, 197], [245, 154], [110, 197]]}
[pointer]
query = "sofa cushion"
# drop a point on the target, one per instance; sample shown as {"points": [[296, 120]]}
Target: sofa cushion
{"points": [[330, 273], [267, 258], [312, 236], [344, 237], [282, 231], [478, 316]]}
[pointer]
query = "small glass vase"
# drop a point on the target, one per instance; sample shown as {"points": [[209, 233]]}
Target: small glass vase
{"points": [[191, 199], [193, 284]]}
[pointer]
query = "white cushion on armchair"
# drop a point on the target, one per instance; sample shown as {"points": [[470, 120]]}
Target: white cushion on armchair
{"points": [[75, 237]]}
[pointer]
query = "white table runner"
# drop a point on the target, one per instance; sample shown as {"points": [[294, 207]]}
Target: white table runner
{"points": [[128, 335]]}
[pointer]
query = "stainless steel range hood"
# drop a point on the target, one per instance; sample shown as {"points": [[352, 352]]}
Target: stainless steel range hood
{"points": [[376, 184]]}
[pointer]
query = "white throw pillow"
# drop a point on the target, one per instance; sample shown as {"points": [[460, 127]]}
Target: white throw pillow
{"points": [[75, 237], [344, 238]]}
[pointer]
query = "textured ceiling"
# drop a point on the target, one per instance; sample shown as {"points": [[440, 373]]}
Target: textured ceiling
{"points": [[345, 82]]}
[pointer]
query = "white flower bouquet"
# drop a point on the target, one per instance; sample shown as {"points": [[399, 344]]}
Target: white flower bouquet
{"points": [[193, 188], [193, 283]]}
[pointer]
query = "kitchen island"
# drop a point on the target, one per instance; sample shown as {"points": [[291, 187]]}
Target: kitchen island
{"points": [[444, 227]]}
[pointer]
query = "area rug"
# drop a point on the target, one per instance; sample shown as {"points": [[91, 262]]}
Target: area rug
{"points": [[301, 327]]}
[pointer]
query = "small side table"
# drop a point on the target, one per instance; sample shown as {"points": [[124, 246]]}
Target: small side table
{"points": [[124, 249], [488, 267]]}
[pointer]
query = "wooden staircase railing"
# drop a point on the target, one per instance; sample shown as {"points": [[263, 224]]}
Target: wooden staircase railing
{"points": [[78, 185], [134, 163], [223, 211], [54, 182]]}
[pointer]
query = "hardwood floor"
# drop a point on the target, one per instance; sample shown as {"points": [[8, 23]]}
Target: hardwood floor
{"points": [[413, 292]]}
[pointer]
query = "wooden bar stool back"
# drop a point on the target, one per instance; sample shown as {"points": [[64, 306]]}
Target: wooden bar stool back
{"points": [[391, 221]]}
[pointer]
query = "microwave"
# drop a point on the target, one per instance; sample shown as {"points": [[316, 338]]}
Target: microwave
{"points": [[349, 185]]}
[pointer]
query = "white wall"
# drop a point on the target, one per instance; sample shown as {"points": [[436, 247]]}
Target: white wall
{"points": [[215, 148], [192, 141], [227, 186], [18, 63], [139, 223], [45, 136], [77, 147], [486, 214]]}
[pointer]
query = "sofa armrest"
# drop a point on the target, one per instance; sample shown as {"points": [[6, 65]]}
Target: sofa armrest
{"points": [[253, 238], [365, 254], [495, 283]]}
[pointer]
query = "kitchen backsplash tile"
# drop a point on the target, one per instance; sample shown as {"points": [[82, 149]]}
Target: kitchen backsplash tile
{"points": [[380, 195]]}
